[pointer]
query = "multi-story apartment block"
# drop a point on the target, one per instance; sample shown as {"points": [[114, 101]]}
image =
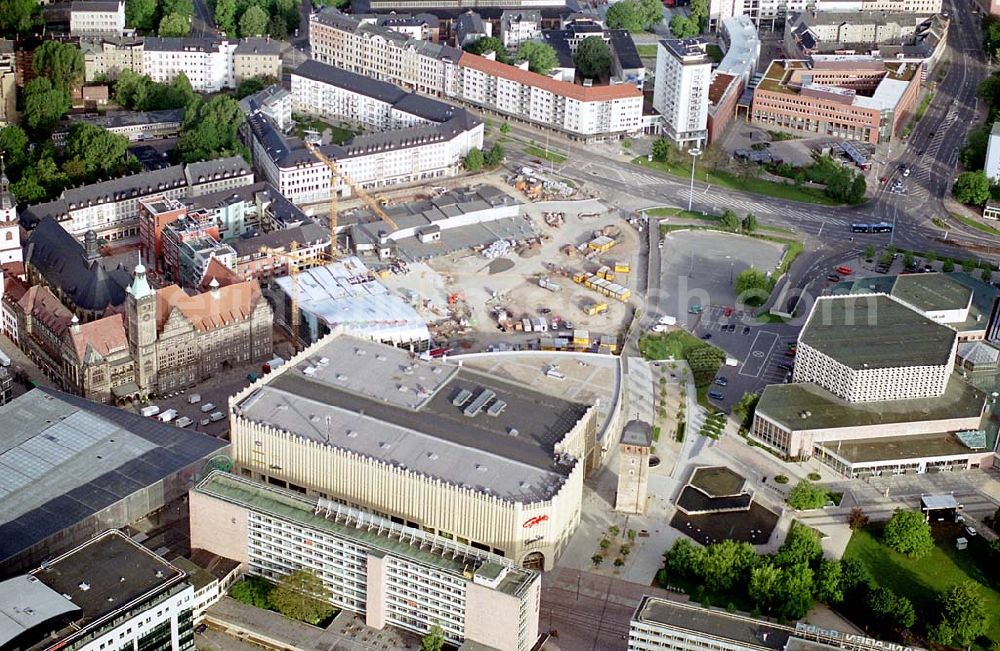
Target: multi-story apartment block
{"points": [[431, 448], [257, 57], [839, 96], [208, 63], [420, 27], [519, 25], [925, 7], [410, 137], [111, 208], [184, 243], [97, 18], [263, 256], [105, 58], [155, 213], [393, 574], [275, 102], [109, 592], [585, 112], [756, 10], [681, 90], [8, 83]]}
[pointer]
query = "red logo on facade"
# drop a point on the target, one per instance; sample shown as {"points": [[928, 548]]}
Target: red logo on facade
{"points": [[538, 519]]}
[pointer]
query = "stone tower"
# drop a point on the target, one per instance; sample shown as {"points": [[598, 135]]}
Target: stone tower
{"points": [[10, 230], [141, 315], [633, 468]]}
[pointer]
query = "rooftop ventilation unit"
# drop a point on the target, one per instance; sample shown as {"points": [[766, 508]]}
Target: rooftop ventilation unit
{"points": [[496, 408], [477, 405], [462, 398]]}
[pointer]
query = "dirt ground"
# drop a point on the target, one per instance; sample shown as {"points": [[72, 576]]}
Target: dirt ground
{"points": [[511, 282]]}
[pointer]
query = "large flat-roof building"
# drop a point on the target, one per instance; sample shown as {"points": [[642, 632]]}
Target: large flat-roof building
{"points": [[873, 390], [858, 97], [424, 443], [108, 593], [72, 468], [394, 574]]}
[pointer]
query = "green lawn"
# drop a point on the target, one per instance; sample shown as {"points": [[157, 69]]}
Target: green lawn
{"points": [[338, 135], [704, 359], [549, 155], [922, 108], [923, 580], [700, 216], [975, 223], [646, 51], [733, 182], [715, 52]]}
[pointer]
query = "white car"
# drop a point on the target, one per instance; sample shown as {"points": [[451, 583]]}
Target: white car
{"points": [[659, 327]]}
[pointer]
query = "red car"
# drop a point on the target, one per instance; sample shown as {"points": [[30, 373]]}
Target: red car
{"points": [[728, 311]]}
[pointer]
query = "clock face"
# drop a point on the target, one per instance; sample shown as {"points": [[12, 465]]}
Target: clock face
{"points": [[146, 317]]}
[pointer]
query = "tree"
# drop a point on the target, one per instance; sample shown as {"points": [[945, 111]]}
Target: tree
{"points": [[986, 275], [225, 15], [749, 223], [100, 150], [183, 7], [907, 533], [19, 17], [730, 221], [972, 188], [596, 559], [494, 155], [62, 63], [592, 57], [253, 22], [541, 57], [727, 563], [869, 252], [806, 495], [434, 640], [904, 615], [473, 161], [699, 12], [795, 593], [948, 266], [277, 28], [14, 147], [828, 582], [489, 44], [44, 104], [858, 188], [968, 265], [253, 591], [684, 559], [663, 149], [652, 12], [682, 27], [752, 286], [801, 546], [211, 130], [140, 14], [626, 14], [854, 577], [973, 154], [505, 128], [302, 595], [254, 85], [858, 519], [963, 616], [174, 25], [765, 585]]}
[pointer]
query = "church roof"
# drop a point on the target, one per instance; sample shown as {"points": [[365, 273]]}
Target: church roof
{"points": [[103, 336], [210, 310]]}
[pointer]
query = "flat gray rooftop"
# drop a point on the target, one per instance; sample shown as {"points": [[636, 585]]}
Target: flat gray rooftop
{"points": [[695, 619], [27, 603], [876, 332], [785, 403], [64, 458], [931, 292], [898, 448], [380, 402]]}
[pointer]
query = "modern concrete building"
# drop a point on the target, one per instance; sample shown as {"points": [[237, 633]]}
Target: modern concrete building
{"points": [[109, 592], [992, 167], [660, 623], [585, 112], [393, 574], [873, 391], [111, 208], [840, 96], [93, 467], [739, 35], [633, 468], [427, 444], [345, 295], [97, 18], [680, 93]]}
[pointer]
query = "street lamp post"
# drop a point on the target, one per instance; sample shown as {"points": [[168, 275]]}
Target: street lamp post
{"points": [[695, 152]]}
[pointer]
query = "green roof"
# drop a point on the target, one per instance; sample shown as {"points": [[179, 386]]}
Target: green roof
{"points": [[445, 555], [897, 447], [876, 332], [931, 292], [785, 404]]}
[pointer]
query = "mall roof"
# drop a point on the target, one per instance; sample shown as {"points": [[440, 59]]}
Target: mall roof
{"points": [[367, 529], [875, 331], [806, 406], [64, 458], [901, 448], [751, 633], [384, 403]]}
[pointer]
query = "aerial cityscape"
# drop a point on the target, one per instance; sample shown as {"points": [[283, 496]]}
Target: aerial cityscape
{"points": [[513, 325]]}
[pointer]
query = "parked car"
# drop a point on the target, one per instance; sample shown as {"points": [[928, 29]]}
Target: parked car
{"points": [[216, 416], [721, 381], [659, 327], [207, 407], [969, 529], [183, 421], [746, 330], [716, 395], [707, 335]]}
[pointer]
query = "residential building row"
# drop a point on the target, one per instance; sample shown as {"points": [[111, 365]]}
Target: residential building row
{"points": [[775, 10], [8, 83], [409, 138], [210, 64], [590, 112], [852, 97]]}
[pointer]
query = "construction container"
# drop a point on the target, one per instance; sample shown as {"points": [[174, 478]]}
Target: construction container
{"points": [[623, 267], [596, 308], [581, 338], [545, 283], [609, 344], [526, 324], [601, 243], [606, 273], [540, 325]]}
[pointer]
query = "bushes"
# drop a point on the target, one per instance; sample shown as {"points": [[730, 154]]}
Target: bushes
{"points": [[781, 479], [907, 533], [807, 495]]}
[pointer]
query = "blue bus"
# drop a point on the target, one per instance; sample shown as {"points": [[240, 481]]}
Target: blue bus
{"points": [[880, 227]]}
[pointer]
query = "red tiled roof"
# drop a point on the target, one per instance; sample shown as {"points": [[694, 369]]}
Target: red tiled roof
{"points": [[103, 335], [562, 88], [234, 303], [220, 272], [44, 307], [14, 288], [13, 269]]}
